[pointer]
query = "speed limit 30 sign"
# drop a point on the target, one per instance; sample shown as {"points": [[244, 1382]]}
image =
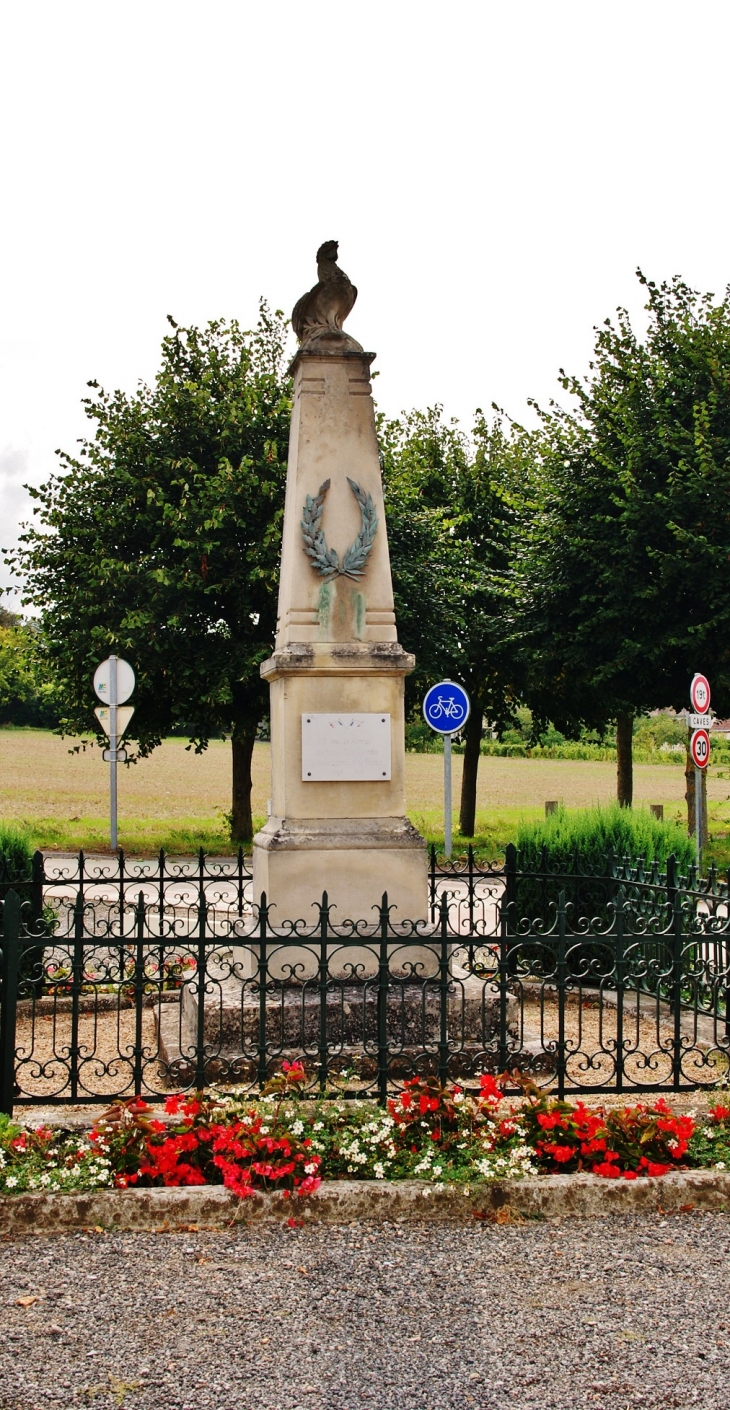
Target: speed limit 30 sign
{"points": [[700, 748]]}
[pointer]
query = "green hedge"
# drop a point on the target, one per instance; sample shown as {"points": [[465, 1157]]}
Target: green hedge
{"points": [[16, 873], [583, 839], [16, 860], [601, 753], [578, 846]]}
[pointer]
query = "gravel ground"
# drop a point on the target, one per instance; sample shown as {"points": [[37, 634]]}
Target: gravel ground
{"points": [[107, 1044], [619, 1314]]}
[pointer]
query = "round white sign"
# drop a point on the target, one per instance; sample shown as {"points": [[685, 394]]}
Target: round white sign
{"points": [[700, 748], [699, 694], [125, 681]]}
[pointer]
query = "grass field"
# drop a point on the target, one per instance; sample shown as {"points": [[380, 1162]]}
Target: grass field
{"points": [[178, 800]]}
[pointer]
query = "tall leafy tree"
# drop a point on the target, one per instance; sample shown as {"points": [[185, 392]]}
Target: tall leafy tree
{"points": [[453, 505], [26, 695], [160, 541], [627, 586]]}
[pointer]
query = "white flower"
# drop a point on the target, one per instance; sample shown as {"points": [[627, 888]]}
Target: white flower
{"points": [[45, 1179], [297, 1128], [318, 1126], [11, 1182], [379, 1171], [311, 1169], [458, 1098], [439, 1187], [719, 1165], [437, 1169]]}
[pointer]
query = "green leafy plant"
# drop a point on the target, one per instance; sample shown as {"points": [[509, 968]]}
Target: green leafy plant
{"points": [[582, 840], [160, 540]]}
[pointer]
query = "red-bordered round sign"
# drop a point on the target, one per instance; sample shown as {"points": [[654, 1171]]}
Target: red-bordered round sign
{"points": [[700, 695], [700, 748]]}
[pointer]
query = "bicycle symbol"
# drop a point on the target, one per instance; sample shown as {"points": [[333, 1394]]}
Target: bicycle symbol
{"points": [[447, 709]]}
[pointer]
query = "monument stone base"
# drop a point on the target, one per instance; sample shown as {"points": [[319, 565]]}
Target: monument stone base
{"points": [[355, 860]]}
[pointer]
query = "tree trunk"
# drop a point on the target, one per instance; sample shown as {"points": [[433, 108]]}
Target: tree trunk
{"points": [[241, 820], [624, 760], [689, 793], [472, 742]]}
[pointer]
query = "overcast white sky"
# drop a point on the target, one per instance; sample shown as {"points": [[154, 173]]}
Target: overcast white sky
{"points": [[494, 173]]}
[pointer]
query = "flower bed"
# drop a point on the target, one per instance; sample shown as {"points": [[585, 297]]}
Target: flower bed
{"points": [[436, 1134]]}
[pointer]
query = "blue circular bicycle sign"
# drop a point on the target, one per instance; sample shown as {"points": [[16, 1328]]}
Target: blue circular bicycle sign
{"points": [[446, 707]]}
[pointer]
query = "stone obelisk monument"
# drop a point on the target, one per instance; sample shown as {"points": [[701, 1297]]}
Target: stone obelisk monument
{"points": [[337, 820]]}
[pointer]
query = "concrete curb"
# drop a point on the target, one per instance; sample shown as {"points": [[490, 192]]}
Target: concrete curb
{"points": [[507, 1201]]}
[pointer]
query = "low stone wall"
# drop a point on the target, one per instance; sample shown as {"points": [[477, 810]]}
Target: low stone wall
{"points": [[212, 1207]]}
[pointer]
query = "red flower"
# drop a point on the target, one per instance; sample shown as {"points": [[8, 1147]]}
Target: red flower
{"points": [[489, 1091], [607, 1170], [309, 1185], [548, 1120], [560, 1153], [592, 1147]]}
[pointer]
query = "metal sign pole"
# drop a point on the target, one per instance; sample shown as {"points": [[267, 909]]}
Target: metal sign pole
{"points": [[446, 711], [447, 796], [113, 749]]}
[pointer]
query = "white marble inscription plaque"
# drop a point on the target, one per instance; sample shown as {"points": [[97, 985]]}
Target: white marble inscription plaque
{"points": [[345, 748]]}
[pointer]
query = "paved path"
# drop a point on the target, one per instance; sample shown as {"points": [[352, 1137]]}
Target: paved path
{"points": [[624, 1315]]}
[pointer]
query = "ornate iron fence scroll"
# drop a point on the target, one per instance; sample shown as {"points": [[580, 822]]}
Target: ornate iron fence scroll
{"points": [[137, 978]]}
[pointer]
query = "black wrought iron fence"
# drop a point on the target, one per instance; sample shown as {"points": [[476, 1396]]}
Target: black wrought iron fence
{"points": [[137, 978]]}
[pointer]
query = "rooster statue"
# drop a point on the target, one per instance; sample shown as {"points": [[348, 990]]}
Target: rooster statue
{"points": [[324, 309]]}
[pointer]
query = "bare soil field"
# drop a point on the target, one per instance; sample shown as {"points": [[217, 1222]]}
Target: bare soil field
{"points": [[179, 799]]}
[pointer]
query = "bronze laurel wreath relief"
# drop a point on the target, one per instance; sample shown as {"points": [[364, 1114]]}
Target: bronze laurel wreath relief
{"points": [[326, 560]]}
